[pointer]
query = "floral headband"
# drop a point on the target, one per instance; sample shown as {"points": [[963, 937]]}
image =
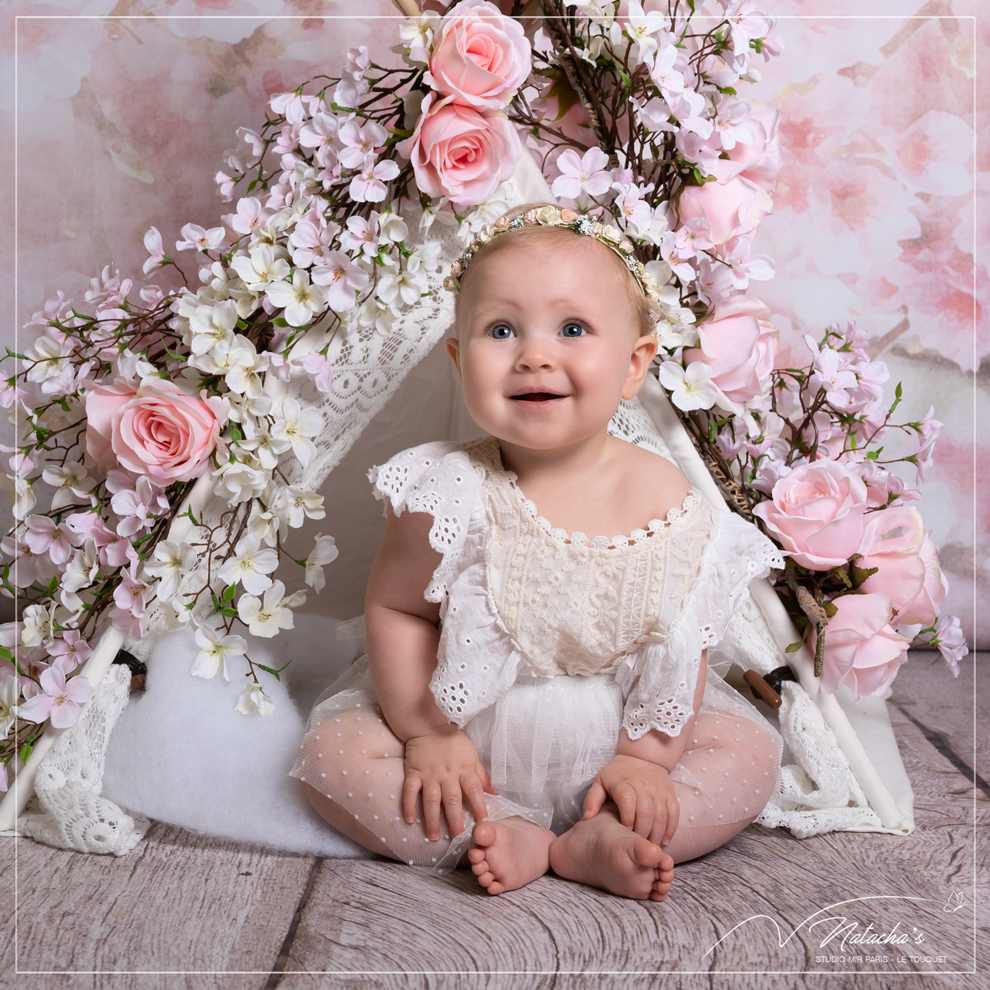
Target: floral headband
{"points": [[551, 216]]}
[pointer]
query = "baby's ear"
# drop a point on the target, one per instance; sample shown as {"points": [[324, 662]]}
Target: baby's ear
{"points": [[644, 351], [453, 346]]}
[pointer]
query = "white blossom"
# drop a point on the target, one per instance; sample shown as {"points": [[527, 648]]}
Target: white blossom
{"points": [[303, 504], [296, 427], [213, 326], [407, 285], [266, 618], [71, 480], [300, 301], [38, 625], [691, 388], [253, 698], [239, 481], [171, 561], [264, 265], [324, 551], [213, 652], [246, 366], [250, 565]]}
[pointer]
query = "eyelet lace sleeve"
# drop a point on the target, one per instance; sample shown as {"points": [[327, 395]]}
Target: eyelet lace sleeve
{"points": [[659, 680], [439, 479]]}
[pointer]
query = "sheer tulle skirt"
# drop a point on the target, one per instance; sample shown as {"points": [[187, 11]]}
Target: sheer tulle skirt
{"points": [[543, 743]]}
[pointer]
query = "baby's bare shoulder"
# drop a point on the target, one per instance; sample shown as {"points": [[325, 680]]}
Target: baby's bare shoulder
{"points": [[653, 481]]}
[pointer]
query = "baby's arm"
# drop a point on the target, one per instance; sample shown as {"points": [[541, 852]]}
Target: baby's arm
{"points": [[403, 637], [637, 779]]}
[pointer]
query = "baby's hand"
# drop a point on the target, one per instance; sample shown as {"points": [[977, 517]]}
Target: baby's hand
{"points": [[643, 793], [443, 764]]}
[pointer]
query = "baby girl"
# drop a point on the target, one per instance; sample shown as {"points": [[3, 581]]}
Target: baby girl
{"points": [[533, 697]]}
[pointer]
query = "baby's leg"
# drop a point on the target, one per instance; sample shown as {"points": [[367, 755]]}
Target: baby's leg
{"points": [[351, 767], [724, 778]]}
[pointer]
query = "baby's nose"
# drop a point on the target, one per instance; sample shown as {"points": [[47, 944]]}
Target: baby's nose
{"points": [[535, 353]]}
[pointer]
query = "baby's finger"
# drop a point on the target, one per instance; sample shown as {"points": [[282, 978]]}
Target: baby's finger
{"points": [[431, 809], [594, 799], [475, 794], [486, 781], [645, 814], [410, 790], [453, 808], [673, 817], [625, 800]]}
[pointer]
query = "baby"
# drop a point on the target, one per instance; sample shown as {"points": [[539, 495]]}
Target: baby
{"points": [[534, 698]]}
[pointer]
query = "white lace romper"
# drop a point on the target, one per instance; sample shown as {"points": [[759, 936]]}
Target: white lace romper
{"points": [[551, 642]]}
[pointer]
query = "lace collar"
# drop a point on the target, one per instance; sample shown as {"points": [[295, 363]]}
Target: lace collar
{"points": [[489, 449]]}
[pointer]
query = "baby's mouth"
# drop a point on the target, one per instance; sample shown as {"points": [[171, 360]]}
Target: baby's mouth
{"points": [[537, 396]]}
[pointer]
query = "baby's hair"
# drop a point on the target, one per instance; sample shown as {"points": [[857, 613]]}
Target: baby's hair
{"points": [[646, 310]]}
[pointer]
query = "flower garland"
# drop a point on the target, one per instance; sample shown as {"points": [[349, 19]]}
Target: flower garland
{"points": [[635, 117]]}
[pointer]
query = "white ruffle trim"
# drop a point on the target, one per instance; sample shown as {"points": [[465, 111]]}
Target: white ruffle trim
{"points": [[437, 478], [659, 680]]}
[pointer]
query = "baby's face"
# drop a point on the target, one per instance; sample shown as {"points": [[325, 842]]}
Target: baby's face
{"points": [[548, 342]]}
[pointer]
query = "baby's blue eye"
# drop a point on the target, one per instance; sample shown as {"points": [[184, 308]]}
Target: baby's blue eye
{"points": [[501, 332], [573, 330]]}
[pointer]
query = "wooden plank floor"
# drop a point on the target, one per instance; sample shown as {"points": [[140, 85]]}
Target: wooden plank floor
{"points": [[186, 911]]}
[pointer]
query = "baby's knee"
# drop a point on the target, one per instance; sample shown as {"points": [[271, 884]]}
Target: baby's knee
{"points": [[359, 732]]}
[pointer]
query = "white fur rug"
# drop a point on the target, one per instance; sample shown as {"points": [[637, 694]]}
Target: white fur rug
{"points": [[181, 753]]}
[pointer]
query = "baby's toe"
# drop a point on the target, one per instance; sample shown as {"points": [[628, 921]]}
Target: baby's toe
{"points": [[484, 834]]}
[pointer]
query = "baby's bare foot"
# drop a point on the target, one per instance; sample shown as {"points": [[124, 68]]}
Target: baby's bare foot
{"points": [[604, 853], [508, 854]]}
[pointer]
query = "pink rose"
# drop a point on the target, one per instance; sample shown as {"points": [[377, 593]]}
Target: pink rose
{"points": [[762, 157], [817, 514], [908, 571], [460, 153], [862, 651], [480, 58], [155, 430], [739, 344], [732, 205]]}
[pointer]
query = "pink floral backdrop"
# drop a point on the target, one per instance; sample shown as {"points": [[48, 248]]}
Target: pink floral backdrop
{"points": [[124, 109]]}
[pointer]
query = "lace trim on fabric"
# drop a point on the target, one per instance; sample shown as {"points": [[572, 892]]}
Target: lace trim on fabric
{"points": [[660, 684], [579, 539], [438, 479]]}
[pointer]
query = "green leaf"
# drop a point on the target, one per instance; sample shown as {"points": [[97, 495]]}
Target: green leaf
{"points": [[228, 593], [794, 647], [25, 752], [272, 671], [216, 603], [280, 321], [236, 435], [830, 610], [231, 613], [860, 574], [561, 90], [898, 393], [14, 354], [5, 653]]}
